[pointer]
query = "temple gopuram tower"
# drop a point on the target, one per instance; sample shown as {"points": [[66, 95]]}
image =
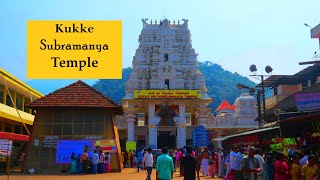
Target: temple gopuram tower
{"points": [[166, 96]]}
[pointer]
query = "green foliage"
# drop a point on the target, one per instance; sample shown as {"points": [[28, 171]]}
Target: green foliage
{"points": [[114, 88], [221, 84]]}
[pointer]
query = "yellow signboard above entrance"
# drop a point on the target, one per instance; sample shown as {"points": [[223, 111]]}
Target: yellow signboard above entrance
{"points": [[167, 94]]}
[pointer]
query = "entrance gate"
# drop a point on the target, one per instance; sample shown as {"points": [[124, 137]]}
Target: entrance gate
{"points": [[166, 139]]}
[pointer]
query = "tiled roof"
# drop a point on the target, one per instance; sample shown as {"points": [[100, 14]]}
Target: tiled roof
{"points": [[307, 73], [78, 94], [224, 106]]}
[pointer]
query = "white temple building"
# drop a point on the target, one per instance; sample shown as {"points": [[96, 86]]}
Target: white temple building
{"points": [[166, 97]]}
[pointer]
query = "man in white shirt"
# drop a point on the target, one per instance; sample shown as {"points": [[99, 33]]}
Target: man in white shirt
{"points": [[95, 161], [258, 155], [148, 162]]}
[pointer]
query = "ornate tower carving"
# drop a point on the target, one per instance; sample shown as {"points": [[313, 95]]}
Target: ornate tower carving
{"points": [[165, 59]]}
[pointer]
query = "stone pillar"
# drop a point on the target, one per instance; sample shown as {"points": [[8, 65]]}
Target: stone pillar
{"points": [[130, 118], [152, 126], [203, 116], [181, 127]]}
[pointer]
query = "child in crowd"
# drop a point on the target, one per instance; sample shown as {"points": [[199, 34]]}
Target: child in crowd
{"points": [[107, 162]]}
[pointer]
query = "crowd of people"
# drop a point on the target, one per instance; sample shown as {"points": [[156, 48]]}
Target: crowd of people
{"points": [[250, 163], [240, 163], [98, 163], [169, 161]]}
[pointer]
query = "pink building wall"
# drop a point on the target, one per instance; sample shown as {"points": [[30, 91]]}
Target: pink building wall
{"points": [[287, 90]]}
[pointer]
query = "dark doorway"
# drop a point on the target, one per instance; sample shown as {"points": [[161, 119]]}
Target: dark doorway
{"points": [[166, 57], [167, 83], [141, 144], [166, 139], [123, 144]]}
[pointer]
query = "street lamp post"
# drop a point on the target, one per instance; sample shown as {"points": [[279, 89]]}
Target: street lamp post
{"points": [[263, 97], [268, 70], [259, 109]]}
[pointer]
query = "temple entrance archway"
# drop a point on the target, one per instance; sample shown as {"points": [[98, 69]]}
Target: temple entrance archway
{"points": [[166, 139]]}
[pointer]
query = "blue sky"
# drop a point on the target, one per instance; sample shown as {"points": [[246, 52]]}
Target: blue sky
{"points": [[234, 34]]}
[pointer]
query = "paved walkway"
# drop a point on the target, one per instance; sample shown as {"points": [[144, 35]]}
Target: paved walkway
{"points": [[126, 174]]}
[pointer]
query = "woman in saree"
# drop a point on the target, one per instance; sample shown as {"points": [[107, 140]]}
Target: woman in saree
{"points": [[73, 159]]}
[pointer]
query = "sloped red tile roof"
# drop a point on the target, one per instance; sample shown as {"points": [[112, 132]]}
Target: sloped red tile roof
{"points": [[224, 106], [78, 94]]}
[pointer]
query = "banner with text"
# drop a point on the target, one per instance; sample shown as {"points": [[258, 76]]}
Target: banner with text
{"points": [[106, 145], [74, 49], [66, 147], [5, 147], [310, 101], [167, 94]]}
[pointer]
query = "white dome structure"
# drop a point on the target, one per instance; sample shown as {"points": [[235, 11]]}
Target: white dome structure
{"points": [[244, 98], [246, 109]]}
